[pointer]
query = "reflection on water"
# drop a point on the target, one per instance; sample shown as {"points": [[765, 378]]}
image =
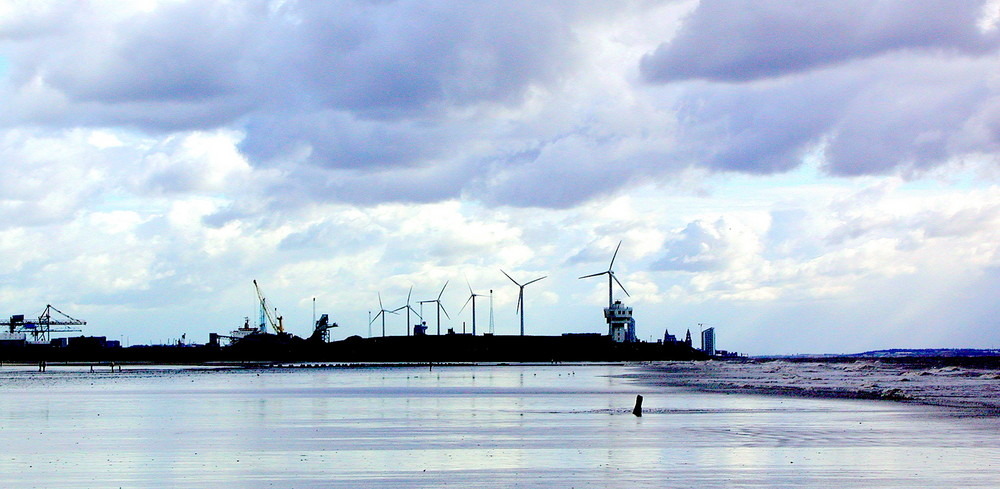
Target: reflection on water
{"points": [[507, 426]]}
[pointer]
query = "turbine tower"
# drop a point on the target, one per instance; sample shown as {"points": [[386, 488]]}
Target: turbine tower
{"points": [[611, 278], [520, 296], [472, 297], [381, 312], [439, 308], [408, 310]]}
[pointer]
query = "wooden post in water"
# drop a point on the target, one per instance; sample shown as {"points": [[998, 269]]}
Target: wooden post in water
{"points": [[638, 406]]}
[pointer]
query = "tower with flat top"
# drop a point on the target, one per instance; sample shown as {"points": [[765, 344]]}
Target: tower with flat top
{"points": [[621, 325]]}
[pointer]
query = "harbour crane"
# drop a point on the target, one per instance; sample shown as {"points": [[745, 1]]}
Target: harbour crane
{"points": [[265, 313], [42, 329]]}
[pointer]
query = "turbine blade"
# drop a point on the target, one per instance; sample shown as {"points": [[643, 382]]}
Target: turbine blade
{"points": [[444, 311], [415, 312], [520, 297], [442, 290], [397, 309], [620, 285], [535, 280], [466, 303], [408, 295], [594, 275], [612, 265], [511, 279], [380, 306]]}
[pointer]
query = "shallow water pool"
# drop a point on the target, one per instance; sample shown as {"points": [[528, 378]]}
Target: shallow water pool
{"points": [[467, 426]]}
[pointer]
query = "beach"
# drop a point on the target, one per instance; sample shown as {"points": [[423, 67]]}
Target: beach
{"points": [[968, 385], [567, 425]]}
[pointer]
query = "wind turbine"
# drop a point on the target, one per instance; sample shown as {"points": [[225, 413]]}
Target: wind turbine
{"points": [[381, 312], [408, 309], [520, 296], [611, 277], [439, 308], [472, 297]]}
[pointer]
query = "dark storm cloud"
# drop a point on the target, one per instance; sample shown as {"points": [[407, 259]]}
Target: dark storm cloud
{"points": [[914, 115], [208, 64], [355, 85], [883, 115], [339, 139], [879, 86], [743, 40], [419, 101], [189, 52], [387, 59], [761, 129], [560, 176], [185, 65]]}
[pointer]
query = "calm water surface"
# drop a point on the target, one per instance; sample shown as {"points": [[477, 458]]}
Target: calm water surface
{"points": [[500, 426]]}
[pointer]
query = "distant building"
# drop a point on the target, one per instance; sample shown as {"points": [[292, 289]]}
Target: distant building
{"points": [[668, 338], [13, 339], [687, 339], [708, 341], [420, 329], [85, 342], [621, 326]]}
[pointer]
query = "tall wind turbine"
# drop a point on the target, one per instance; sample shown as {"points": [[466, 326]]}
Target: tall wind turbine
{"points": [[611, 277], [520, 296], [381, 312], [439, 308], [408, 310], [472, 297]]}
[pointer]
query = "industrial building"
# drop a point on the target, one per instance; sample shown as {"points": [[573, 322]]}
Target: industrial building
{"points": [[621, 325]]}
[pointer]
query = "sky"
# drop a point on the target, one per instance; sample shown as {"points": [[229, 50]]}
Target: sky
{"points": [[805, 177]]}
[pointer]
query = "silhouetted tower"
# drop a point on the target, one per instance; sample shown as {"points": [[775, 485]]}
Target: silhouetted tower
{"points": [[687, 339], [668, 338]]}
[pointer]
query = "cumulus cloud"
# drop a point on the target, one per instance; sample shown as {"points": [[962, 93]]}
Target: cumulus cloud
{"points": [[342, 148], [878, 233], [705, 246]]}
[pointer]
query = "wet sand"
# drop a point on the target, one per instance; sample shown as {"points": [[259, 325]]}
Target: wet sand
{"points": [[464, 426], [968, 387]]}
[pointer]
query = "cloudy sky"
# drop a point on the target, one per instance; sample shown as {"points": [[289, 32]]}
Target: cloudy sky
{"points": [[803, 176]]}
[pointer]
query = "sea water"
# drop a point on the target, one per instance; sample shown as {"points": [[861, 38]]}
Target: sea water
{"points": [[462, 426]]}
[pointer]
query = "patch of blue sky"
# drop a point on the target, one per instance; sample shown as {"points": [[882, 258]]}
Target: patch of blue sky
{"points": [[809, 181], [119, 201], [968, 174], [4, 66]]}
